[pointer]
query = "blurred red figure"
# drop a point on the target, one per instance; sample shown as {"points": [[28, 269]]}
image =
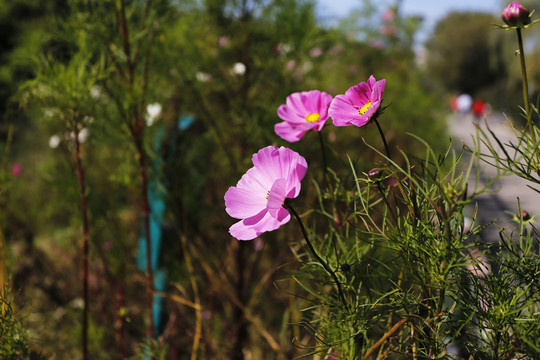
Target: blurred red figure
{"points": [[479, 108], [453, 104]]}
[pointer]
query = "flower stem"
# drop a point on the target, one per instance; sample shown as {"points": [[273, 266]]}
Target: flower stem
{"points": [[381, 191], [3, 270], [383, 139], [82, 191], [323, 151], [316, 255], [143, 174], [524, 81]]}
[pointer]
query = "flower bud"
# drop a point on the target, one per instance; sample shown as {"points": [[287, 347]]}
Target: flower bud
{"points": [[524, 215], [374, 173], [516, 15], [345, 267]]}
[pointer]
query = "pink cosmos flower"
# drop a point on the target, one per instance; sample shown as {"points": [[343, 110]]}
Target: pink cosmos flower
{"points": [[359, 103], [303, 111], [258, 197]]}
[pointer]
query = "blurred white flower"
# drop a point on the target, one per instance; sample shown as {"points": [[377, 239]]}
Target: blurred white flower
{"points": [[152, 113], [238, 69], [203, 77], [88, 119], [48, 112], [54, 141], [283, 49], [464, 103], [306, 67], [95, 92], [83, 135], [77, 303]]}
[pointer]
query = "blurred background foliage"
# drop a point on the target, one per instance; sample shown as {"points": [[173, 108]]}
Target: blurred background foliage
{"points": [[219, 70]]}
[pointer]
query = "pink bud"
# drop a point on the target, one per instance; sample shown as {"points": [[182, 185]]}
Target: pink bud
{"points": [[374, 173], [516, 15], [525, 215]]}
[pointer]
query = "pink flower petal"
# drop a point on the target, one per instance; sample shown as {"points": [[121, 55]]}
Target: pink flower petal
{"points": [[276, 197], [290, 115], [268, 164], [342, 111], [241, 203], [289, 132], [298, 173], [378, 90], [253, 181], [295, 102], [249, 229], [326, 100], [371, 81], [359, 94], [312, 101]]}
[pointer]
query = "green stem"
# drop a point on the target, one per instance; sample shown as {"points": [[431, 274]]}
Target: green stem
{"points": [[383, 139], [84, 215], [524, 81], [381, 191], [316, 255], [323, 151]]}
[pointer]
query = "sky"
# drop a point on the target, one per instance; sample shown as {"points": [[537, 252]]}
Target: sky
{"points": [[430, 10]]}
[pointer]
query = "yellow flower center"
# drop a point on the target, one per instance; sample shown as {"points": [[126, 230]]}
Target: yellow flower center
{"points": [[313, 117], [364, 108]]}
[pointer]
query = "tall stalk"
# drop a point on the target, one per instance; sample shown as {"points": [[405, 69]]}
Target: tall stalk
{"points": [[323, 153], [524, 81], [143, 174], [383, 138], [3, 270], [134, 118], [316, 255], [84, 215]]}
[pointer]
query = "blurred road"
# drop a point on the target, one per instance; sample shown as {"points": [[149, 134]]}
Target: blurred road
{"points": [[501, 204]]}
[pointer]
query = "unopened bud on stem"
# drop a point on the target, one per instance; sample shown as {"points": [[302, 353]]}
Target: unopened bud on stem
{"points": [[374, 174], [516, 15]]}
